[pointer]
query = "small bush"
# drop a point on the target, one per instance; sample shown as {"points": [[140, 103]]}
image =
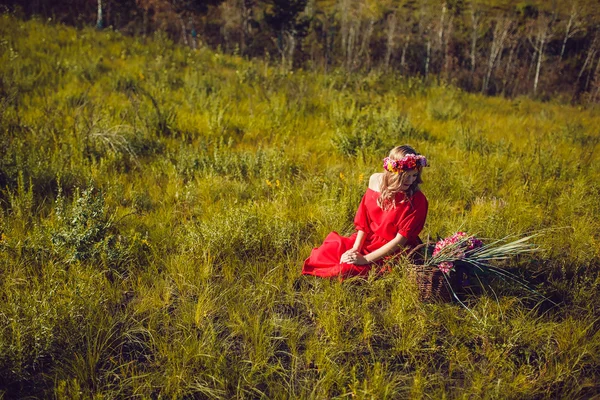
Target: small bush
{"points": [[85, 231]]}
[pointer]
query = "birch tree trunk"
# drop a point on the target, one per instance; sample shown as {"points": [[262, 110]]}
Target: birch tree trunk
{"points": [[567, 33], [193, 33], [145, 22], [280, 45], [286, 44], [403, 57], [590, 75], [447, 42], [574, 25], [499, 36], [99, 23], [352, 37], [328, 40], [427, 58], [441, 28], [475, 20], [344, 28], [441, 38], [590, 55], [291, 45], [542, 43], [184, 38], [364, 53], [596, 82], [507, 69], [542, 36], [391, 40]]}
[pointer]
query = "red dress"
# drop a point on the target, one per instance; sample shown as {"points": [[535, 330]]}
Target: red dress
{"points": [[379, 226]]}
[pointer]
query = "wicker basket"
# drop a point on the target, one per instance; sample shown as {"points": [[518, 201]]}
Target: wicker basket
{"points": [[431, 283]]}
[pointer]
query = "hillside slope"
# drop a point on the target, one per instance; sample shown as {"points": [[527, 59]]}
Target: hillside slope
{"points": [[157, 204]]}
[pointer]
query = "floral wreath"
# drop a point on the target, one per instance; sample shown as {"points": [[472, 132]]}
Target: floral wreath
{"points": [[409, 161]]}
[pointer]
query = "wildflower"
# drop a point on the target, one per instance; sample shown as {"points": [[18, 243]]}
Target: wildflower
{"points": [[342, 177], [3, 238], [268, 183], [361, 178], [446, 267], [474, 243], [455, 248]]}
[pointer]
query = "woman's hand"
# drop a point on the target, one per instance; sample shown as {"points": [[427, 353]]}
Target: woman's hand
{"points": [[353, 257], [348, 256]]}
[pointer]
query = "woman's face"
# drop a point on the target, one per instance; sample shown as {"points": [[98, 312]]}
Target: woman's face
{"points": [[408, 178]]}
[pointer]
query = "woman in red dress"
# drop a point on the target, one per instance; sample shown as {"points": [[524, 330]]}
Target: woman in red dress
{"points": [[389, 218]]}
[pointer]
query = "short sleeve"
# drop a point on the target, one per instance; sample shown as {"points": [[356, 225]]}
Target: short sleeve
{"points": [[412, 223], [361, 219]]}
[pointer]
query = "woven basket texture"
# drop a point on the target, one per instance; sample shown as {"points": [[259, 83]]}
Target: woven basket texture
{"points": [[432, 285]]}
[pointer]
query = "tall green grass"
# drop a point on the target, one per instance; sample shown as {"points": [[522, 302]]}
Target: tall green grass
{"points": [[157, 204]]}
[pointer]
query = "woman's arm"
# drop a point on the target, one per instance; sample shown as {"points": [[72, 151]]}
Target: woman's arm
{"points": [[398, 241], [360, 238]]}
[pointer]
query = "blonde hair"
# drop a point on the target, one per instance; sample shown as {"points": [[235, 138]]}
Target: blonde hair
{"points": [[391, 182]]}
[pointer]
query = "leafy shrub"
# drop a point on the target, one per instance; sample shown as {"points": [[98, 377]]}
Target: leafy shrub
{"points": [[85, 231], [83, 227]]}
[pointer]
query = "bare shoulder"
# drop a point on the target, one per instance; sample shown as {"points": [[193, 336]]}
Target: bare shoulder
{"points": [[375, 181]]}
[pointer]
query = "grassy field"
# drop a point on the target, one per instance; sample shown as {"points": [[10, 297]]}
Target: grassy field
{"points": [[157, 204]]}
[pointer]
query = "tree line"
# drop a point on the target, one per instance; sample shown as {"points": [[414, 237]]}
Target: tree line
{"points": [[541, 48]]}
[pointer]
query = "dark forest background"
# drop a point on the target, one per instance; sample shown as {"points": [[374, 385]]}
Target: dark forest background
{"points": [[543, 49]]}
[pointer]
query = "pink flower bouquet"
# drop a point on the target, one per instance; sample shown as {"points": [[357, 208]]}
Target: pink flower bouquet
{"points": [[477, 258], [454, 248]]}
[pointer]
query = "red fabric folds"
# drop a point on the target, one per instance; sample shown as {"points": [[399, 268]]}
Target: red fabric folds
{"points": [[380, 226]]}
